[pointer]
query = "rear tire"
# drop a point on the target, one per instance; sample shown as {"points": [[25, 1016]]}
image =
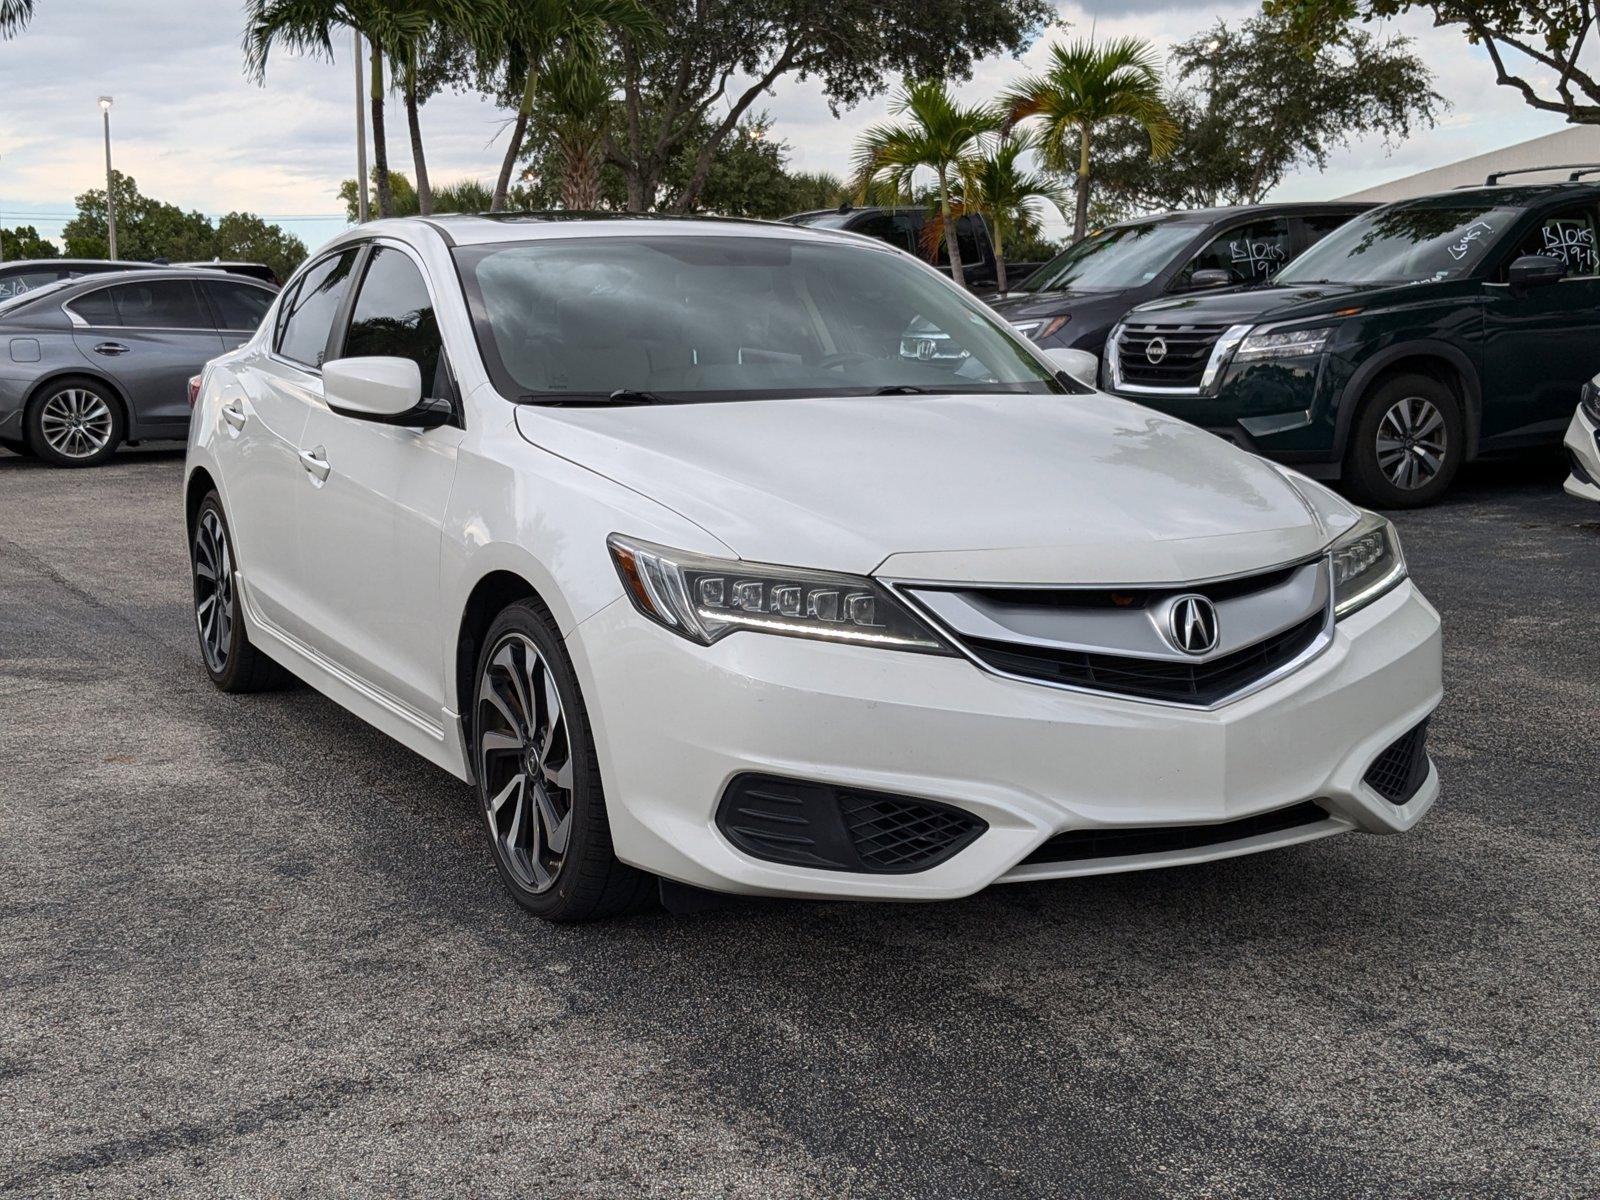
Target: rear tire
{"points": [[74, 423], [538, 776], [1408, 442], [233, 664]]}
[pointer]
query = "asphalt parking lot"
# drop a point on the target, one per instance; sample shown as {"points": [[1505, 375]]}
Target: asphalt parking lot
{"points": [[249, 946]]}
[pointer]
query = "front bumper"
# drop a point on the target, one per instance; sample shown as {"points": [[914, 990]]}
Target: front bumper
{"points": [[674, 723], [1583, 447]]}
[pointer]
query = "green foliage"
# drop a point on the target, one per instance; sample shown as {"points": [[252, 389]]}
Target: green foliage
{"points": [[25, 242], [1548, 35], [1253, 103], [467, 196], [149, 229], [1009, 196]]}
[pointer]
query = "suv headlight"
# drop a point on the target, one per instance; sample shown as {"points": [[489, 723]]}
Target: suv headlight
{"points": [[704, 599], [1589, 398], [1283, 343], [1367, 562]]}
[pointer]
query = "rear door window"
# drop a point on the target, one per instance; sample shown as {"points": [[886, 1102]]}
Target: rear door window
{"points": [[1567, 235], [238, 305], [1251, 253], [308, 315]]}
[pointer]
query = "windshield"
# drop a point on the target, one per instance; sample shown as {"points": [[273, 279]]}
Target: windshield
{"points": [[1403, 244], [1124, 256], [821, 220], [731, 318], [15, 299]]}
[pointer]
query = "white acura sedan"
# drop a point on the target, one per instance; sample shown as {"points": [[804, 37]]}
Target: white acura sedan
{"points": [[765, 560]]}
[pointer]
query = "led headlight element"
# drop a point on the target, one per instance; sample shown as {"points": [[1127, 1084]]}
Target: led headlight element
{"points": [[1283, 343], [1366, 563], [704, 599]]}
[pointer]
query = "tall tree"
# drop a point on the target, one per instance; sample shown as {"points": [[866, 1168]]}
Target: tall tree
{"points": [[1548, 36], [691, 91], [1009, 196], [534, 33], [940, 134], [576, 99], [308, 25], [1085, 86], [24, 242], [1252, 103], [14, 17], [435, 50]]}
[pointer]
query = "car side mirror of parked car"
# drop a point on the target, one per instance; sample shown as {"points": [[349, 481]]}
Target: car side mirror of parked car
{"points": [[386, 390], [1078, 364], [1211, 277], [1535, 270]]}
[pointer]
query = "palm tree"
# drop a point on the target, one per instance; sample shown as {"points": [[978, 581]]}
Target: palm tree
{"points": [[577, 102], [14, 17], [308, 25], [535, 32], [940, 134], [1085, 86], [1008, 196]]}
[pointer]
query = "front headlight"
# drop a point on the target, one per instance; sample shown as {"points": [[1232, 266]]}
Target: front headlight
{"points": [[1589, 399], [1283, 343], [704, 599], [1367, 562]]}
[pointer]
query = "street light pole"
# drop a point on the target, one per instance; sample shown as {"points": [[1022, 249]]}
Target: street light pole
{"points": [[111, 198], [361, 132]]}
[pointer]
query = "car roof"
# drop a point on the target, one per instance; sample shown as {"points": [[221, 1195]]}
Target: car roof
{"points": [[1505, 195], [469, 229], [102, 264], [1289, 208]]}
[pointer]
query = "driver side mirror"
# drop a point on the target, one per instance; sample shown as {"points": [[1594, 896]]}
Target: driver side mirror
{"points": [[1211, 277], [386, 390], [1077, 364], [1535, 270]]}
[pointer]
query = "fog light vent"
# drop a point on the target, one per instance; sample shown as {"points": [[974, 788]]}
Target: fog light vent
{"points": [[1399, 771], [816, 825]]}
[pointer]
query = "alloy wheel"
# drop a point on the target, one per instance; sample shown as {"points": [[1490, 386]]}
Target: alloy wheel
{"points": [[76, 423], [525, 762], [213, 590], [1412, 441]]}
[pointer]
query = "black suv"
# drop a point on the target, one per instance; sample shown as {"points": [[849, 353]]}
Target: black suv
{"points": [[1411, 340], [1074, 299]]}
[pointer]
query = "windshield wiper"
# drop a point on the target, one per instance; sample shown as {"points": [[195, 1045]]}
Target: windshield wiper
{"points": [[900, 389], [620, 396]]}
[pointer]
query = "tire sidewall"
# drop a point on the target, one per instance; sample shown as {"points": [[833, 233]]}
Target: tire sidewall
{"points": [[34, 435], [590, 836], [1367, 479]]}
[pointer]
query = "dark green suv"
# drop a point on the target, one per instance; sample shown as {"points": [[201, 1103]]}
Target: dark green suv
{"points": [[1406, 342]]}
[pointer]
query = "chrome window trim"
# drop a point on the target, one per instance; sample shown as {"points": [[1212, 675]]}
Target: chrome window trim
{"points": [[900, 588]]}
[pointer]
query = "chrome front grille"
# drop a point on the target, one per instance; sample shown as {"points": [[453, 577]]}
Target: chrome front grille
{"points": [[1165, 356], [1118, 641]]}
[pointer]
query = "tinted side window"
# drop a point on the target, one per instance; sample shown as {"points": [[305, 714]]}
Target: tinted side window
{"points": [[308, 314], [238, 305], [393, 317], [1251, 253], [1318, 228], [970, 236], [888, 227], [1567, 235], [21, 282], [159, 304]]}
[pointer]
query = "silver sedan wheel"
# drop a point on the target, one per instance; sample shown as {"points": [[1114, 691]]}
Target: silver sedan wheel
{"points": [[1412, 442], [524, 762], [76, 423], [213, 591]]}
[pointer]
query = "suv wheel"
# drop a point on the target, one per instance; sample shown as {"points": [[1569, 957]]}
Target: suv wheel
{"points": [[74, 423], [232, 662], [538, 780], [1407, 443]]}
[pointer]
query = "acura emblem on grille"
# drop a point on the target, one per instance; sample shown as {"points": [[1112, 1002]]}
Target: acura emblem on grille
{"points": [[1156, 350], [1192, 625]]}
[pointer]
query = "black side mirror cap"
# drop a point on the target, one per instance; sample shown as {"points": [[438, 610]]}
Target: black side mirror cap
{"points": [[1535, 270], [1211, 277]]}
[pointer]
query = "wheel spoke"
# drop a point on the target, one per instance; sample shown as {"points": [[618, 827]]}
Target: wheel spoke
{"points": [[497, 802], [556, 828], [494, 742]]}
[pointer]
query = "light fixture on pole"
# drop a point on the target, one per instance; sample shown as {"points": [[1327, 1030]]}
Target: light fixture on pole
{"points": [[361, 134], [111, 198]]}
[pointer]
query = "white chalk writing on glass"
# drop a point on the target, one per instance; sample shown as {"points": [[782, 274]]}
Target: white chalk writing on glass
{"points": [[1572, 242], [1256, 258], [1471, 234]]}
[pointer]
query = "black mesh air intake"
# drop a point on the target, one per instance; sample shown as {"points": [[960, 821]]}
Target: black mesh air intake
{"points": [[841, 829], [1399, 771]]}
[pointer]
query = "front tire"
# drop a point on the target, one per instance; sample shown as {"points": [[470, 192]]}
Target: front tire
{"points": [[538, 777], [232, 662], [1408, 442], [74, 423]]}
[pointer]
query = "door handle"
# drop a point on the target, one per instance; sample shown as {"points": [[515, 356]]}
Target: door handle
{"points": [[111, 348], [233, 415], [316, 466]]}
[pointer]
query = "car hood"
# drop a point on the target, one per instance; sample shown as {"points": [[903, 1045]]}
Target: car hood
{"points": [[1249, 305], [1020, 306], [1019, 489]]}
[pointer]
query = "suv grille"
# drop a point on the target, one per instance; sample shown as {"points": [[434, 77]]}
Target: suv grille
{"points": [[1183, 365], [841, 829], [1399, 771], [1080, 845]]}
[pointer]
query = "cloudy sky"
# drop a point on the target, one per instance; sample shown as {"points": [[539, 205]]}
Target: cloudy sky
{"points": [[193, 131]]}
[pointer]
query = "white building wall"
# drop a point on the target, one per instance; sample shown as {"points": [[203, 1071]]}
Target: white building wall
{"points": [[1574, 144]]}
